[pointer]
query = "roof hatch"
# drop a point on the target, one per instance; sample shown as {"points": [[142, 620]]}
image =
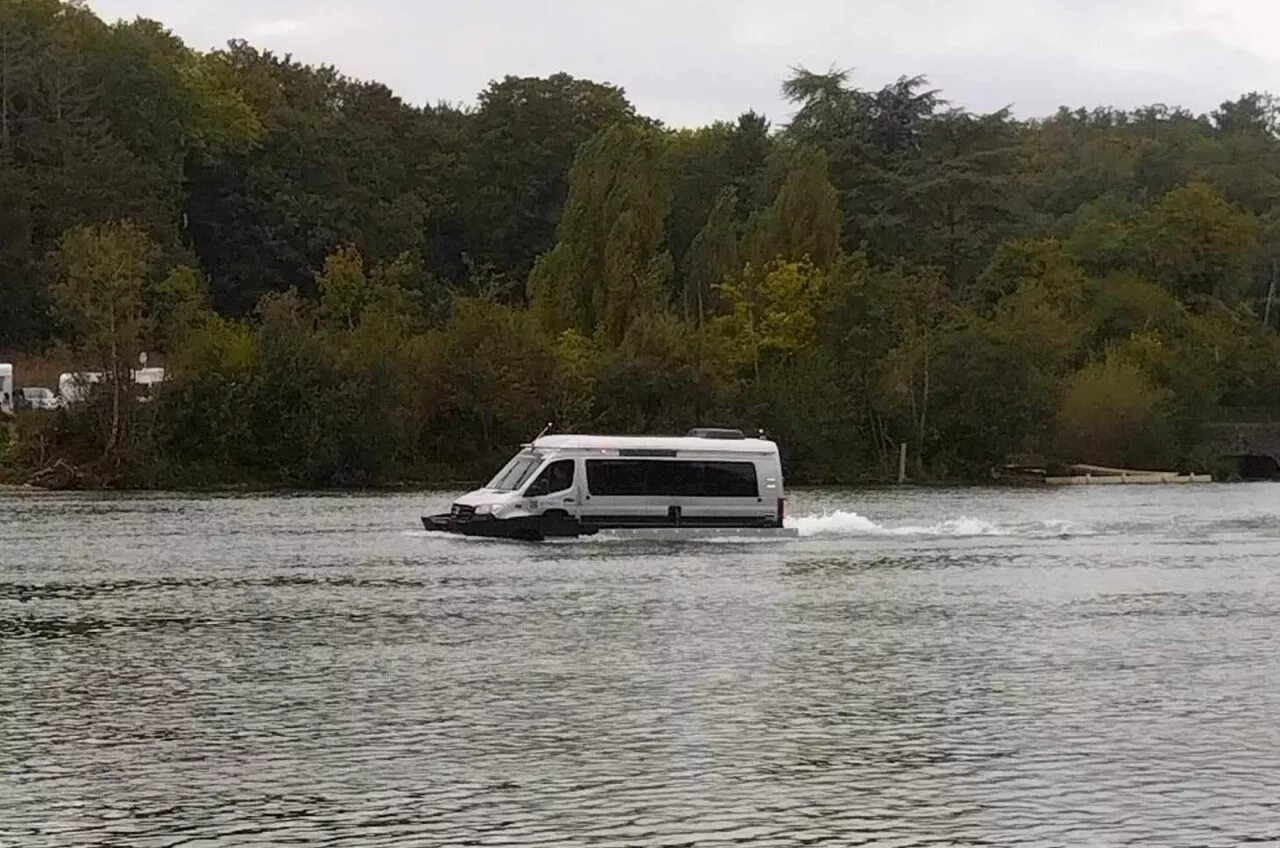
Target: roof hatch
{"points": [[717, 433]]}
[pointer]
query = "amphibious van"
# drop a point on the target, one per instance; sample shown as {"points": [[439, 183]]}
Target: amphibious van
{"points": [[568, 486]]}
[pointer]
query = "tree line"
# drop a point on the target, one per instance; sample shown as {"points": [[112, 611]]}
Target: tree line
{"points": [[347, 289]]}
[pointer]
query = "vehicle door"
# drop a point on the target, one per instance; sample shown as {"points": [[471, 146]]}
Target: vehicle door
{"points": [[625, 491], [555, 488]]}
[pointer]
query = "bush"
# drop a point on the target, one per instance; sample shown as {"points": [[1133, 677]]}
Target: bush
{"points": [[1113, 414]]}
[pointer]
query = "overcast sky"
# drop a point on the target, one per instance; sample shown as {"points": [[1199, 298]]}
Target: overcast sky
{"points": [[693, 61]]}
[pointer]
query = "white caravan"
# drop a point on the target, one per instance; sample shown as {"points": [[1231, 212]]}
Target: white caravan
{"points": [[149, 376], [568, 486], [75, 388], [6, 387], [38, 397], [148, 379]]}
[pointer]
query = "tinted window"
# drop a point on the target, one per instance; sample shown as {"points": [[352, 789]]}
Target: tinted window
{"points": [[678, 479], [616, 477], [653, 478], [730, 480], [556, 477]]}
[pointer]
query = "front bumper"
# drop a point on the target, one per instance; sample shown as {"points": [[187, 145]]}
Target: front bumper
{"points": [[529, 529]]}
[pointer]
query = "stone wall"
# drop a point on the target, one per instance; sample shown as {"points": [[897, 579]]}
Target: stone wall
{"points": [[1259, 439]]}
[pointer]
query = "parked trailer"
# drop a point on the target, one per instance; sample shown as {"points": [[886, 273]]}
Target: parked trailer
{"points": [[76, 387], [149, 376], [6, 386]]}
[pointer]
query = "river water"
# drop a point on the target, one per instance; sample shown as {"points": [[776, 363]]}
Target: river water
{"points": [[920, 668]]}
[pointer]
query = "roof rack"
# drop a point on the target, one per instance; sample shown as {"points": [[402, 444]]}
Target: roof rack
{"points": [[717, 433]]}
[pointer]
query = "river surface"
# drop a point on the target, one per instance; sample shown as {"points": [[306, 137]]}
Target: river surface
{"points": [[980, 667]]}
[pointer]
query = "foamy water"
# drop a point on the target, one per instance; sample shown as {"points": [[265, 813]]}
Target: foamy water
{"points": [[841, 524], [851, 524]]}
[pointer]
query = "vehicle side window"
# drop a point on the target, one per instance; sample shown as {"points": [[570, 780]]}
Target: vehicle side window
{"points": [[555, 478], [687, 479], [730, 480]]}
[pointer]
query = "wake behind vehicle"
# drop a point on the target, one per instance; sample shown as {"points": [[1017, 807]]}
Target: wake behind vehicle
{"points": [[710, 482]]}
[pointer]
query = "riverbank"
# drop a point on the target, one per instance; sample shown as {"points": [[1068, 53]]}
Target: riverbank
{"points": [[61, 451]]}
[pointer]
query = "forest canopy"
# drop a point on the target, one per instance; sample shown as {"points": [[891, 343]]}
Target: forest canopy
{"points": [[349, 289]]}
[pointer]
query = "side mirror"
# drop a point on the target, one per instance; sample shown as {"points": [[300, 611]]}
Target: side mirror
{"points": [[538, 489]]}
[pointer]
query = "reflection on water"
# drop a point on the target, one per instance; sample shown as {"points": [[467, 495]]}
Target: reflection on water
{"points": [[921, 668]]}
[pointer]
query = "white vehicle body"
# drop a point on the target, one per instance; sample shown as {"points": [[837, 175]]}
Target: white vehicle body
{"points": [[6, 386], [148, 379], [581, 485], [36, 397], [149, 376], [75, 388]]}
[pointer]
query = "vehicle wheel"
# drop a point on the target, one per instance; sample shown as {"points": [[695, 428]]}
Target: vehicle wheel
{"points": [[557, 523]]}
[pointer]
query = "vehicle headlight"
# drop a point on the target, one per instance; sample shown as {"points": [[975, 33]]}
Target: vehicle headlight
{"points": [[484, 509]]}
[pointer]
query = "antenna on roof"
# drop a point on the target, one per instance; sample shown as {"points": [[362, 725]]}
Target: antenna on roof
{"points": [[545, 430]]}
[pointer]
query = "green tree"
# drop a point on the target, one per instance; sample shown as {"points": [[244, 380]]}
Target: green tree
{"points": [[204, 415], [524, 139], [339, 163], [990, 400], [1196, 243], [958, 202], [665, 377], [575, 380], [750, 148], [1114, 415], [698, 171], [609, 265], [804, 221], [1255, 113], [1018, 262], [102, 292], [60, 165], [1101, 236], [349, 293], [1123, 304], [164, 100], [875, 143], [294, 405], [712, 258], [497, 372], [772, 311], [178, 305]]}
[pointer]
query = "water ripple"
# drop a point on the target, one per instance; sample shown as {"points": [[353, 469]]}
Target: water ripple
{"points": [[1060, 669]]}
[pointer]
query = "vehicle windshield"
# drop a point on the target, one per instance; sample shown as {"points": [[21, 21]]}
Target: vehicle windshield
{"points": [[516, 474]]}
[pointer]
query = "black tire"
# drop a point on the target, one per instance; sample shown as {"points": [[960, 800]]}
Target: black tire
{"points": [[557, 524]]}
